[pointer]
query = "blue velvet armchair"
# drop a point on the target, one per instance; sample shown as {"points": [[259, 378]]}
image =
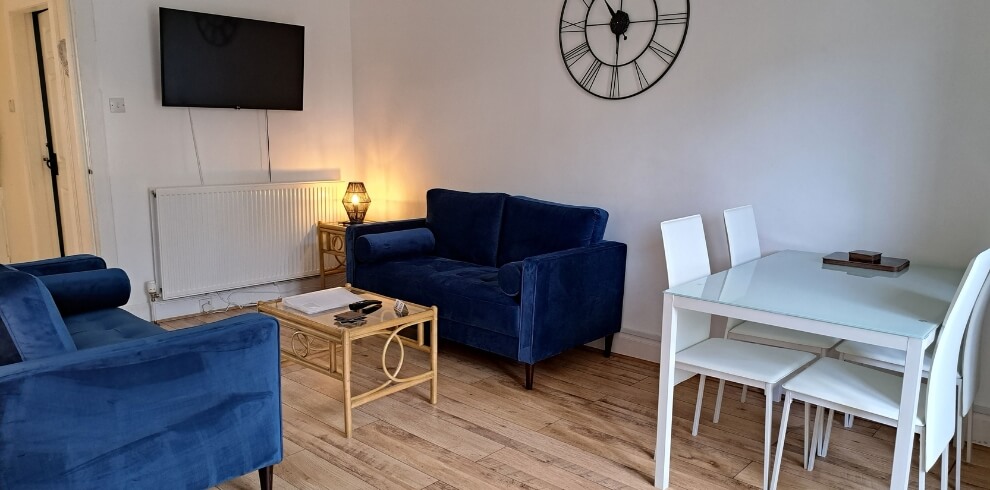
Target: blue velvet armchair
{"points": [[515, 276], [94, 397]]}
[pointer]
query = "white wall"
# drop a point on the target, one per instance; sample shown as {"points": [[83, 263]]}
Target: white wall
{"points": [[152, 146], [847, 124]]}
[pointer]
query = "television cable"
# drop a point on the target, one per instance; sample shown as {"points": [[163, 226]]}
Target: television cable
{"points": [[192, 129], [268, 144]]}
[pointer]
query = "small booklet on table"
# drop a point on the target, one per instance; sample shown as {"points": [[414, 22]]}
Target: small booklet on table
{"points": [[320, 301]]}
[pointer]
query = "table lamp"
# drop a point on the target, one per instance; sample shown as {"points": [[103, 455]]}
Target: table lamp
{"points": [[356, 202]]}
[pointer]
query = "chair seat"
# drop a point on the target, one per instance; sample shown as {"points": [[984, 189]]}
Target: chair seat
{"points": [[886, 355], [778, 334], [758, 362], [854, 386]]}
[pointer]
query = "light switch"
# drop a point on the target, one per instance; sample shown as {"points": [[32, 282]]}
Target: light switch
{"points": [[117, 105]]}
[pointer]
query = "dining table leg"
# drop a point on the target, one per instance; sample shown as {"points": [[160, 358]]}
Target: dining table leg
{"points": [[668, 347], [910, 392]]}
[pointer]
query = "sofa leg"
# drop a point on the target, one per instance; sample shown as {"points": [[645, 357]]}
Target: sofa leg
{"points": [[267, 475], [608, 345], [529, 376]]}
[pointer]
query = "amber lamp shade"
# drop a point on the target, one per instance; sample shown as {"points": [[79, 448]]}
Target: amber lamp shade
{"points": [[356, 202]]}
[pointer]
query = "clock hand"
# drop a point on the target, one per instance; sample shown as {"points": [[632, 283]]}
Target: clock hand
{"points": [[631, 22], [624, 36], [609, 8], [617, 49]]}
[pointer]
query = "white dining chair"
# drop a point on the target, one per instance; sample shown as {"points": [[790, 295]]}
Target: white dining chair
{"points": [[744, 246], [967, 379], [875, 394], [686, 252]]}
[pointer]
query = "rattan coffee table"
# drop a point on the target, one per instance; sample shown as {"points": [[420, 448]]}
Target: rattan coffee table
{"points": [[307, 337]]}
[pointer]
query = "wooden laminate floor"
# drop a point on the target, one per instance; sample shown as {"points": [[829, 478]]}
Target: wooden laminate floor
{"points": [[590, 423]]}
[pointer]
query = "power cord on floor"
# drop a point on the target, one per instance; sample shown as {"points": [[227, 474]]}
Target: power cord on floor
{"points": [[230, 304]]}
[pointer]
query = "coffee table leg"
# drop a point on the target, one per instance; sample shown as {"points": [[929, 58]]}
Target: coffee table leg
{"points": [[433, 358], [322, 239], [347, 384]]}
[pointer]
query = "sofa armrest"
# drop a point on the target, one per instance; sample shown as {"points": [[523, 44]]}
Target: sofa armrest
{"points": [[62, 265], [570, 298], [184, 409], [355, 231]]}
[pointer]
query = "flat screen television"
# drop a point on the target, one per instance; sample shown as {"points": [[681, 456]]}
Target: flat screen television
{"points": [[218, 61]]}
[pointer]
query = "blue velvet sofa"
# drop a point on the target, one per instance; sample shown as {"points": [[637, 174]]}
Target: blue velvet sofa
{"points": [[522, 278], [94, 397]]}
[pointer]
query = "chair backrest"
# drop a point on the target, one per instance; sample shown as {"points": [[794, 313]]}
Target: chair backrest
{"points": [[969, 363], [744, 242], [740, 229], [685, 249], [686, 252], [940, 397]]}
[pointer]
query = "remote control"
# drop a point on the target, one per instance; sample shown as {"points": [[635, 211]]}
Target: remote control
{"points": [[357, 305], [348, 316]]}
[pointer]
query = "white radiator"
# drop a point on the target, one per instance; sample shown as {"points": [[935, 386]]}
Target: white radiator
{"points": [[216, 238]]}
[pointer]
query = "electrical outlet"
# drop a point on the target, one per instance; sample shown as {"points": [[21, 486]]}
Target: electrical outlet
{"points": [[117, 105]]}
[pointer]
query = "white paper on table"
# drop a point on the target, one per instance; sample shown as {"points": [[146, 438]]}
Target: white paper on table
{"points": [[319, 301]]}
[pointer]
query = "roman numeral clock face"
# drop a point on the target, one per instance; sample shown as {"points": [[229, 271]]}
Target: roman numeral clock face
{"points": [[616, 49]]}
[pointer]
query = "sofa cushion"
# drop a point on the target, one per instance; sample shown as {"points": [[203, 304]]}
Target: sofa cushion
{"points": [[32, 327], [471, 295], [465, 224], [78, 292], [510, 278], [533, 227], [378, 247], [108, 326], [464, 292]]}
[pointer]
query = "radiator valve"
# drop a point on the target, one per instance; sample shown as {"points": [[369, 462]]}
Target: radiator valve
{"points": [[152, 288]]}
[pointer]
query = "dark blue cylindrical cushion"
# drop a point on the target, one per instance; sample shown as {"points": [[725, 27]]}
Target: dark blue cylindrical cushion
{"points": [[79, 292], [380, 247], [510, 278]]}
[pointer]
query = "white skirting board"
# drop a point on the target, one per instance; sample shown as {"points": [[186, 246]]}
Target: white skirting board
{"points": [[633, 346], [981, 425]]}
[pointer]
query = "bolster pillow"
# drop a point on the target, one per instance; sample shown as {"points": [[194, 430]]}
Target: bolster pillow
{"points": [[378, 247], [510, 278], [79, 292]]}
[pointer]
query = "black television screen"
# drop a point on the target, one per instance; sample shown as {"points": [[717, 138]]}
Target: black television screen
{"points": [[219, 61]]}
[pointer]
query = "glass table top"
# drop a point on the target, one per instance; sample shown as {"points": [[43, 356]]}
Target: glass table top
{"points": [[911, 303]]}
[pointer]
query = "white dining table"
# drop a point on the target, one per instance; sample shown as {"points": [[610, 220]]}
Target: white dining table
{"points": [[796, 290]]}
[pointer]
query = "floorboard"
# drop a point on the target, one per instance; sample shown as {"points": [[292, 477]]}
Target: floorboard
{"points": [[590, 423]]}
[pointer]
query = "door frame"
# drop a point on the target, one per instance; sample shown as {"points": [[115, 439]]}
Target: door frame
{"points": [[79, 223]]}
